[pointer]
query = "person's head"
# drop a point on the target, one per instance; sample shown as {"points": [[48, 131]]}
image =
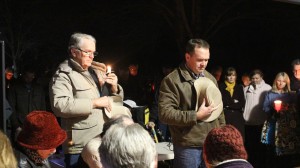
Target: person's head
{"points": [[116, 119], [217, 72], [223, 143], [197, 55], [246, 79], [256, 76], [167, 69], [82, 48], [133, 69], [7, 157], [127, 146], [230, 75], [296, 68], [41, 133], [29, 75], [281, 83], [9, 74]]}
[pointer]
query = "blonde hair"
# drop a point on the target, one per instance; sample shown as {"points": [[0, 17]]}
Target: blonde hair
{"points": [[286, 78], [7, 157]]}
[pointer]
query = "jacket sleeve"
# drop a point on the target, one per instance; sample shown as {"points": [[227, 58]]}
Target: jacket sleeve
{"points": [[63, 103], [120, 92], [267, 104], [171, 111]]}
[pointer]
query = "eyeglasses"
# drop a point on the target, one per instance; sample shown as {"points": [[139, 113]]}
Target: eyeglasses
{"points": [[88, 53]]}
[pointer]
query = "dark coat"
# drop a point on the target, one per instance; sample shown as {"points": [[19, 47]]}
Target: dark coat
{"points": [[23, 99], [234, 106]]}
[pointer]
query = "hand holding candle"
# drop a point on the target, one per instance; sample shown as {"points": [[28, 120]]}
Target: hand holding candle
{"points": [[108, 69], [277, 105]]}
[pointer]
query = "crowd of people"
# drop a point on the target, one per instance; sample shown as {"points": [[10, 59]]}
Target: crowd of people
{"points": [[211, 119]]}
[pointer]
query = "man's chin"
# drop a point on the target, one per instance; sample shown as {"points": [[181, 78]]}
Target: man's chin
{"points": [[200, 71]]}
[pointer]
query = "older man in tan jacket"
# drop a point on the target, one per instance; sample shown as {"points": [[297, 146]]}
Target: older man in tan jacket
{"points": [[79, 93]]}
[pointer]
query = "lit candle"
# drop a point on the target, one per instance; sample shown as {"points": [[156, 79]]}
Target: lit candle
{"points": [[108, 69], [277, 104]]}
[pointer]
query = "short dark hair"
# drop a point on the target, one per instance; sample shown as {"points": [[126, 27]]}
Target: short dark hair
{"points": [[256, 71], [195, 43], [229, 71], [295, 62]]}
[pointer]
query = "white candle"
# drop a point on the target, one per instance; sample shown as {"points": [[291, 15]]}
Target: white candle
{"points": [[108, 69]]}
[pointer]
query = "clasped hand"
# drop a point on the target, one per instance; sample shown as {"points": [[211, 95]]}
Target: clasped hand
{"points": [[204, 111]]}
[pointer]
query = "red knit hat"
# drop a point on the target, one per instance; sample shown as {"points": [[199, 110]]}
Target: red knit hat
{"points": [[41, 131], [224, 143]]}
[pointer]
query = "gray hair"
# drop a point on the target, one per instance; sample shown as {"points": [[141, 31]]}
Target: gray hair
{"points": [[117, 119], [76, 40], [128, 146], [195, 43]]}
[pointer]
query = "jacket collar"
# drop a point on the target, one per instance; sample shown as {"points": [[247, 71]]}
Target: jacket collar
{"points": [[70, 64], [76, 66], [187, 74]]}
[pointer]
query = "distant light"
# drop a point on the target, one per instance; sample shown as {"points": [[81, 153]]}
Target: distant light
{"points": [[290, 1]]}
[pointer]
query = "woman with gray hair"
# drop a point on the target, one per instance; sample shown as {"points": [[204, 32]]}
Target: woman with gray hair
{"points": [[128, 146], [90, 156]]}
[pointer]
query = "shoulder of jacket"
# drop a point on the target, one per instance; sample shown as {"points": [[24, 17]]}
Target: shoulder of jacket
{"points": [[65, 67], [173, 76]]}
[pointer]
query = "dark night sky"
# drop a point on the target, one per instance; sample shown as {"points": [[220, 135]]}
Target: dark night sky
{"points": [[254, 34]]}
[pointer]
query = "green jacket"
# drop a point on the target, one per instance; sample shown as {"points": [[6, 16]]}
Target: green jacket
{"points": [[177, 102]]}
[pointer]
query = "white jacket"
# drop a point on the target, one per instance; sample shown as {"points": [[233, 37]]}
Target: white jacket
{"points": [[253, 113]]}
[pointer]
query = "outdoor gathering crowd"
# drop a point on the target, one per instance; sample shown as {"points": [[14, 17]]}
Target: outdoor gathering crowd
{"points": [[93, 114]]}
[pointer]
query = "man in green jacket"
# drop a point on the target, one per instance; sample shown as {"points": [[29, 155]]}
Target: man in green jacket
{"points": [[177, 101]]}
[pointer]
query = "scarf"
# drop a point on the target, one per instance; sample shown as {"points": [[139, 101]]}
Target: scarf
{"points": [[230, 87], [34, 156]]}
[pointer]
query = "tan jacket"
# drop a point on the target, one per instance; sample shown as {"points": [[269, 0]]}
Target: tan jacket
{"points": [[71, 92]]}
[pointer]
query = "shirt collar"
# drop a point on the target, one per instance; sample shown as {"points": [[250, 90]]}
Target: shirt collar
{"points": [[195, 76]]}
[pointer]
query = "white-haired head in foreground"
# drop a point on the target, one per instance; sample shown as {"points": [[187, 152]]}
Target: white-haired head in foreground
{"points": [[128, 146]]}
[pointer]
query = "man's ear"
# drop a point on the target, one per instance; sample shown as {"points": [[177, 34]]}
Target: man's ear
{"points": [[187, 56], [73, 52]]}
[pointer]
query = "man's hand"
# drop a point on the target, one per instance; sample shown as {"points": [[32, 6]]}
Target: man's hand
{"points": [[204, 112], [151, 124], [102, 102], [112, 79]]}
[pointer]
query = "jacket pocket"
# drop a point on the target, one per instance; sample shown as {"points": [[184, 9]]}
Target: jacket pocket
{"points": [[87, 121]]}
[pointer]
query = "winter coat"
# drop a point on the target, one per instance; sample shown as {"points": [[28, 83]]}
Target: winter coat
{"points": [[72, 90], [253, 113]]}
